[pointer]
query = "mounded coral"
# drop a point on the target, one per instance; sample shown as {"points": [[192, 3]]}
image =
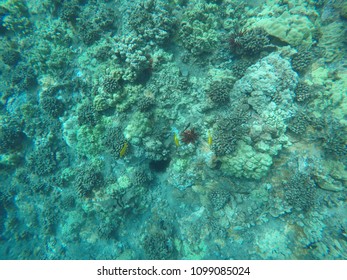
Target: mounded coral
{"points": [[290, 26], [68, 202], [132, 52], [49, 220], [93, 20], [85, 140], [335, 145], [269, 77], [101, 103], [247, 162], [138, 126], [198, 28], [252, 152], [149, 21], [129, 199], [107, 229], [142, 177]]}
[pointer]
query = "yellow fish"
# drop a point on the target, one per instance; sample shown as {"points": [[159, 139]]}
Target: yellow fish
{"points": [[177, 141], [124, 149], [209, 138]]}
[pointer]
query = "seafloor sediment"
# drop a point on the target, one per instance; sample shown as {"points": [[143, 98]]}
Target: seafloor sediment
{"points": [[155, 129]]}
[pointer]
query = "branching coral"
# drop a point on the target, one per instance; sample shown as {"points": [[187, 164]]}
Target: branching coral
{"points": [[249, 42], [300, 192]]}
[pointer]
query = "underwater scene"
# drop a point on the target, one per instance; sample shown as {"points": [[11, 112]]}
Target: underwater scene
{"points": [[193, 130]]}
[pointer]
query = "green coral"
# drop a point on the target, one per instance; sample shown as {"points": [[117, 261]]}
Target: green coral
{"points": [[85, 140], [198, 29], [246, 162], [290, 26], [16, 16], [138, 126]]}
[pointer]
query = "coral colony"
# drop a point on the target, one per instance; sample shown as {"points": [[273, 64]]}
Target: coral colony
{"points": [[173, 129]]}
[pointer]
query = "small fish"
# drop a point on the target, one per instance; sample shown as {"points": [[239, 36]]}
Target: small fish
{"points": [[177, 141], [124, 149], [209, 138]]}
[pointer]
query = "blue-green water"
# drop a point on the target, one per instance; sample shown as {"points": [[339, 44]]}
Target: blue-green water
{"points": [[173, 129]]}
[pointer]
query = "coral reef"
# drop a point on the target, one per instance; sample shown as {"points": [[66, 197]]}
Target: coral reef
{"points": [[68, 202], [49, 219], [16, 17], [107, 229], [173, 129], [142, 177]]}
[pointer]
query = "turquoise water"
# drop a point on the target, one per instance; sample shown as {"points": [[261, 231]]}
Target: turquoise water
{"points": [[173, 129]]}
